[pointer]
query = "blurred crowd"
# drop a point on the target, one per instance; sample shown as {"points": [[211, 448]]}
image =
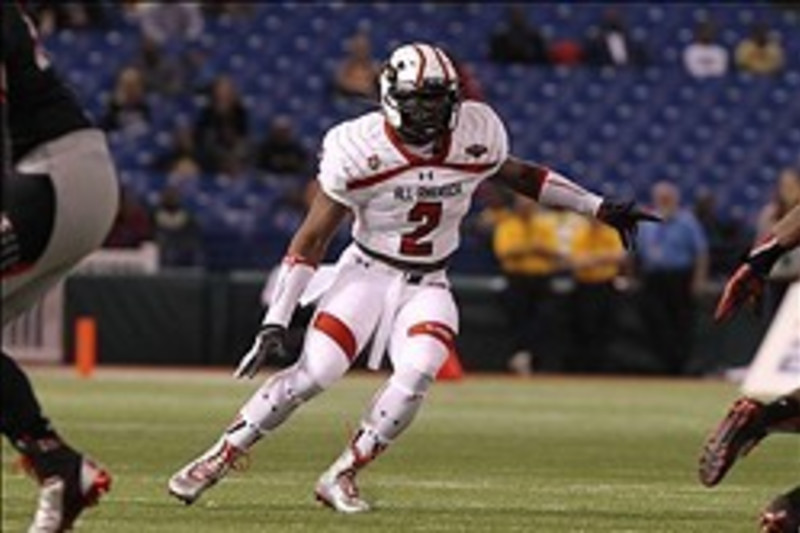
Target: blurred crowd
{"points": [[611, 43], [566, 274], [563, 272]]}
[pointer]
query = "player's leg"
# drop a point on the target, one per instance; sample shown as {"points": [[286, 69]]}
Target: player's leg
{"points": [[53, 214], [422, 339], [338, 331], [57, 208], [746, 423], [782, 515], [70, 482]]}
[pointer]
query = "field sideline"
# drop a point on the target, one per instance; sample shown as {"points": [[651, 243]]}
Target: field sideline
{"points": [[486, 454]]}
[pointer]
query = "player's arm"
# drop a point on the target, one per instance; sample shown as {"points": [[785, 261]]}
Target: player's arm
{"points": [[311, 240], [555, 190], [747, 283], [305, 252]]}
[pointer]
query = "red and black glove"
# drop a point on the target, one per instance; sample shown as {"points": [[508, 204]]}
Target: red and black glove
{"points": [[625, 216], [746, 286]]}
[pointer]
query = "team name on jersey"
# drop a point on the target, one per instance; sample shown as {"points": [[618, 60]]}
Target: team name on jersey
{"points": [[427, 192]]}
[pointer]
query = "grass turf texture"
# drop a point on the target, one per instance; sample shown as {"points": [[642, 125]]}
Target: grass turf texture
{"points": [[484, 455]]}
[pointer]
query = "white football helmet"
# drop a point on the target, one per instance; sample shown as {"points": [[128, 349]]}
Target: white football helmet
{"points": [[420, 92]]}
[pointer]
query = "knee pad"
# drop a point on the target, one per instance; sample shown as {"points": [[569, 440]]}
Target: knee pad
{"points": [[323, 359], [28, 216]]}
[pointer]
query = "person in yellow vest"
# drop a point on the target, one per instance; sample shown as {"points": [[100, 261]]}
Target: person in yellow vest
{"points": [[598, 256], [526, 244]]}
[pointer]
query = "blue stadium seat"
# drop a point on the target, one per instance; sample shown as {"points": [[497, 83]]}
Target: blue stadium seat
{"points": [[616, 129]]}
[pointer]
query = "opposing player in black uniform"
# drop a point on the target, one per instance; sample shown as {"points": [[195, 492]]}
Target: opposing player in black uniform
{"points": [[748, 420], [60, 196]]}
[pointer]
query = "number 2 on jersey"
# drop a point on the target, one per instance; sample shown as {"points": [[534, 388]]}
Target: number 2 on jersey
{"points": [[428, 214]]}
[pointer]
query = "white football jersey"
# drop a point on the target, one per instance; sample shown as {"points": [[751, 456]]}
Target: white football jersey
{"points": [[406, 206]]}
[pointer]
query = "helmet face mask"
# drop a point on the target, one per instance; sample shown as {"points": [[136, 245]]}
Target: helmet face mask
{"points": [[425, 112], [419, 93]]}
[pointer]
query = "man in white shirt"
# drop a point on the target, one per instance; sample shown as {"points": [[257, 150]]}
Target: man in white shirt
{"points": [[704, 58]]}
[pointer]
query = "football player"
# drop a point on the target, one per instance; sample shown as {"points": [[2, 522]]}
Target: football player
{"points": [[407, 174], [748, 420], [59, 201]]}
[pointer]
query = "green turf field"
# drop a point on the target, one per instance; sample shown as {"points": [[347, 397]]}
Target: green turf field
{"points": [[545, 455]]}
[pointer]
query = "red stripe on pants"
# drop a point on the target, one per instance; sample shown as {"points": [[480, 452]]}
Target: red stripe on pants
{"points": [[338, 331]]}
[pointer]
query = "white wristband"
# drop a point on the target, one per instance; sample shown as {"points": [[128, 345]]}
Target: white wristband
{"points": [[558, 191], [294, 275]]}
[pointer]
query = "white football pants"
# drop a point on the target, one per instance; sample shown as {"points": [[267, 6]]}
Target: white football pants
{"points": [[415, 320]]}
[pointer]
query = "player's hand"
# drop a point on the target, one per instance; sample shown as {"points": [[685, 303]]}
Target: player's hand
{"points": [[625, 216], [744, 287], [269, 345]]}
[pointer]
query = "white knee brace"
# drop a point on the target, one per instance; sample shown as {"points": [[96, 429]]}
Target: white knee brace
{"points": [[281, 394], [396, 405]]}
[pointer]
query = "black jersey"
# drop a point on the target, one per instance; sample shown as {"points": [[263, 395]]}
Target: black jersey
{"points": [[40, 107]]}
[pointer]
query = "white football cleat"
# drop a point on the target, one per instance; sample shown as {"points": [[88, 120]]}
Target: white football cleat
{"points": [[204, 472], [338, 490]]}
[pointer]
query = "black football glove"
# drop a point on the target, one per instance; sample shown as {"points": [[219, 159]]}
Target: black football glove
{"points": [[624, 216], [269, 345]]}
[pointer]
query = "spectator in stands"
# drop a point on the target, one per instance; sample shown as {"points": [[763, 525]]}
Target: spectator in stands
{"points": [[704, 57], [787, 269], [55, 15], [162, 73], [128, 110], [132, 226], [165, 22], [281, 152], [357, 73], [183, 169], [760, 53], [176, 231], [518, 41], [673, 257], [612, 45], [727, 239], [221, 128], [598, 256], [182, 146], [566, 52], [238, 10], [526, 246]]}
